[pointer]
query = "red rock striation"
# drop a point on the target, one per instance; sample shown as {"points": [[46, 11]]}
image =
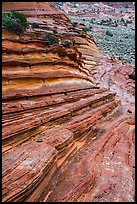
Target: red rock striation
{"points": [[64, 136], [100, 171]]}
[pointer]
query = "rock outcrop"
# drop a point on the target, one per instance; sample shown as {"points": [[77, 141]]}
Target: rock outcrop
{"points": [[65, 137]]}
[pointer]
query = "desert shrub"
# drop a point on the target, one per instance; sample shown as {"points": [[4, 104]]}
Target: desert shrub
{"points": [[109, 33], [35, 25], [102, 22], [126, 6], [87, 28], [55, 31], [15, 27], [106, 22], [129, 21], [67, 44], [50, 39], [74, 24], [122, 20], [21, 18], [14, 21], [92, 20]]}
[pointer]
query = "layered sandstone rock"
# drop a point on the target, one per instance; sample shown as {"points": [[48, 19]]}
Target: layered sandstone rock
{"points": [[53, 109], [101, 171]]}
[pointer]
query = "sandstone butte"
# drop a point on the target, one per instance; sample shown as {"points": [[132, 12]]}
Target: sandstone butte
{"points": [[68, 115]]}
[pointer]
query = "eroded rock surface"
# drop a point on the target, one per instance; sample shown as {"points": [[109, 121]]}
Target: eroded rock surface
{"points": [[65, 135], [100, 171]]}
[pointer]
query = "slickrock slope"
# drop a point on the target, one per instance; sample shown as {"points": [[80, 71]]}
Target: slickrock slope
{"points": [[64, 138], [101, 171], [113, 74]]}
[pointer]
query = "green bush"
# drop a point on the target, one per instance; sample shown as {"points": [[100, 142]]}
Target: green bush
{"points": [[50, 39], [102, 22], [14, 21], [106, 22], [55, 31], [35, 25], [88, 28], [67, 44], [110, 20], [92, 20], [74, 24], [129, 21], [109, 33], [122, 20]]}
